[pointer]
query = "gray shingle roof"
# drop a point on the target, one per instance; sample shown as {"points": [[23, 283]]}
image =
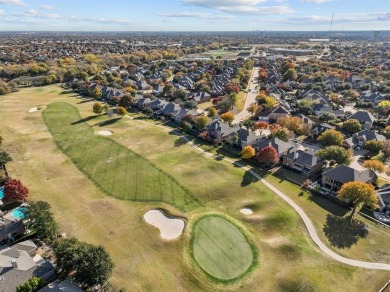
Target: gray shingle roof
{"points": [[344, 174]]}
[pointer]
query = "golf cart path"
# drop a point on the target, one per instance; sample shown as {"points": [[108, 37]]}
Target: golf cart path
{"points": [[309, 225]]}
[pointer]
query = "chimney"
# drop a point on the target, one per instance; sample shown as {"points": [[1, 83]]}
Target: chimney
{"points": [[14, 264]]}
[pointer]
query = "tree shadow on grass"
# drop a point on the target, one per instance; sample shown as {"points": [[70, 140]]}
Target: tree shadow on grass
{"points": [[328, 205], [86, 100], [248, 179], [108, 122], [179, 142], [343, 232], [84, 120]]}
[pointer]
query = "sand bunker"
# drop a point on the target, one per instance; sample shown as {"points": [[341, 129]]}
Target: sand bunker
{"points": [[170, 228], [33, 110], [105, 133], [246, 211]]}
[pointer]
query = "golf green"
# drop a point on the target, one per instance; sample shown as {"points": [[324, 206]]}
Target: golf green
{"points": [[221, 249]]}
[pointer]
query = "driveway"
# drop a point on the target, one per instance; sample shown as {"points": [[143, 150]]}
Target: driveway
{"points": [[250, 96]]}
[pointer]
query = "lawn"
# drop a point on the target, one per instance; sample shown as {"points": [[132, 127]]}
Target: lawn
{"points": [[240, 102], [143, 262], [220, 249], [117, 170]]}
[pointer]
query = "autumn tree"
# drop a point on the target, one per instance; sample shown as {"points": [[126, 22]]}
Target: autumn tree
{"points": [[331, 137], [268, 156], [290, 74], [121, 111], [359, 194], [384, 107], [375, 165], [351, 95], [373, 146], [97, 108], [228, 117], [212, 112], [266, 102], [97, 92], [260, 125], [126, 101], [231, 88], [352, 126], [253, 108], [201, 122], [290, 123], [248, 152], [15, 191], [387, 132], [280, 133], [335, 153]]}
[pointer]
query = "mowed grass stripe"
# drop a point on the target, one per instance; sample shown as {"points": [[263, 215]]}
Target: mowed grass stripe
{"points": [[221, 249], [117, 170]]}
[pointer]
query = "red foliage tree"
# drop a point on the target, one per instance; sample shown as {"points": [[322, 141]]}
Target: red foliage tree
{"points": [[15, 191], [231, 88], [260, 125], [268, 155]]}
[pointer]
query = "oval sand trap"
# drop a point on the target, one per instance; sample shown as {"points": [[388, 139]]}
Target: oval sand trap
{"points": [[33, 110], [105, 133], [246, 211], [170, 228]]}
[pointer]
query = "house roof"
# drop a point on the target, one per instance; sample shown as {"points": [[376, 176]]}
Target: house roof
{"points": [[383, 194], [58, 286], [17, 266], [344, 174], [362, 116], [364, 135], [301, 157], [280, 146]]}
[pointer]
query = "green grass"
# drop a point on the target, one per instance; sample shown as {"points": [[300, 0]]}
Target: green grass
{"points": [[221, 249], [117, 170]]}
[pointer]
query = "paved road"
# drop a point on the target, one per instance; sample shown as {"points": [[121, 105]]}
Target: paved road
{"points": [[250, 96], [309, 225]]}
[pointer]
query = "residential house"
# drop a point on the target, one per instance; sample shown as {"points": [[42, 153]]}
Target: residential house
{"points": [[372, 97], [306, 121], [319, 129], [221, 131], [303, 161], [248, 137], [178, 115], [278, 112], [19, 263], [10, 227], [201, 97], [365, 118], [334, 178], [383, 194], [358, 139], [282, 147]]}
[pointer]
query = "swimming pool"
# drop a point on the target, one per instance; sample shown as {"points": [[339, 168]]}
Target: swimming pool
{"points": [[18, 212], [1, 193]]}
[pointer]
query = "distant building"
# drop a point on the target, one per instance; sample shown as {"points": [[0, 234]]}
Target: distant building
{"points": [[291, 52]]}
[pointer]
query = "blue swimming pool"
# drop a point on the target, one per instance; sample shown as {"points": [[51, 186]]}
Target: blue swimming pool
{"points": [[18, 213], [1, 193]]}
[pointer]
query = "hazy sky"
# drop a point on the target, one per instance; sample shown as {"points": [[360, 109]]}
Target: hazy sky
{"points": [[192, 15]]}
